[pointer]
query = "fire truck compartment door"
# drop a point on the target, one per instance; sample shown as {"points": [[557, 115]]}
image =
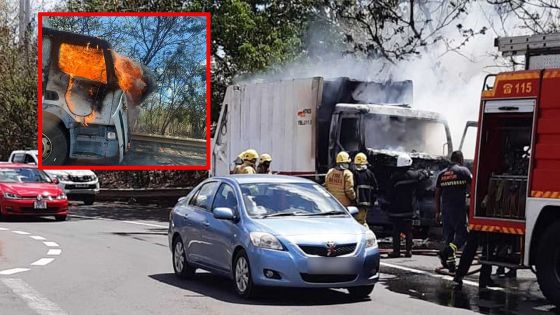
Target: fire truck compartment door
{"points": [[510, 106], [120, 121]]}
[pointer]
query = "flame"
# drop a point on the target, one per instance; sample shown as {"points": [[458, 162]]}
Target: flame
{"points": [[85, 62], [89, 118], [130, 77]]}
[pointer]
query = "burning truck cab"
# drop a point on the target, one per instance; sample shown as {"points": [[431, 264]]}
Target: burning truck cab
{"points": [[304, 123], [88, 93]]}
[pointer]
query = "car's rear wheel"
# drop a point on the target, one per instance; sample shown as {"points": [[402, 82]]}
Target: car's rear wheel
{"points": [[181, 266], [360, 292], [243, 282], [89, 200], [60, 217], [55, 144]]}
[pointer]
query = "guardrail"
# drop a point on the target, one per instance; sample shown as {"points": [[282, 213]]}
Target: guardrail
{"points": [[198, 143]]}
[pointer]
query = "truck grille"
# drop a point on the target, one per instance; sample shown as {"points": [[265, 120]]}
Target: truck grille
{"points": [[322, 250], [319, 278]]}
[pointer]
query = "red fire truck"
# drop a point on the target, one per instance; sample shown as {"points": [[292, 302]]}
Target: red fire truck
{"points": [[515, 201]]}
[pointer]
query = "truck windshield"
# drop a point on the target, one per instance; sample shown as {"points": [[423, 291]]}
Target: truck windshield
{"points": [[406, 134]]}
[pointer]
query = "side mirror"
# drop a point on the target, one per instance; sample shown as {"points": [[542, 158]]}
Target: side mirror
{"points": [[55, 181], [222, 213], [353, 210]]}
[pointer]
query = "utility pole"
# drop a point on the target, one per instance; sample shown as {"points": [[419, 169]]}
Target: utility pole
{"points": [[24, 19]]}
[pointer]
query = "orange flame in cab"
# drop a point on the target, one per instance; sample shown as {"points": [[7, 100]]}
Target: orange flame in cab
{"points": [[86, 62]]}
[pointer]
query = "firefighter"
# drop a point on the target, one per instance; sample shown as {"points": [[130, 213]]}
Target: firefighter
{"points": [[450, 203], [340, 181], [250, 158], [402, 202], [264, 164], [471, 246], [366, 186], [237, 163]]}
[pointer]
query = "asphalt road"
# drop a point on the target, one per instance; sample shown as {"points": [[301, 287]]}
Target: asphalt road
{"points": [[114, 259]]}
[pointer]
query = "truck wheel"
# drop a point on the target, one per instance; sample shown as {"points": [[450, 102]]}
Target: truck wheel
{"points": [[55, 144], [548, 263]]}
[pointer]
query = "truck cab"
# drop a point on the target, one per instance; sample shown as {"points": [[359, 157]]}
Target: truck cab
{"points": [[383, 131], [84, 111]]}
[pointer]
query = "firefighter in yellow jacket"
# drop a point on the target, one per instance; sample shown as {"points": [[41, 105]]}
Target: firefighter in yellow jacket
{"points": [[264, 164], [250, 158], [340, 181], [237, 163]]}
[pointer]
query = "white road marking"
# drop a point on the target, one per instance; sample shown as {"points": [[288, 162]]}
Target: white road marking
{"points": [[21, 232], [129, 222], [42, 262], [4, 229], [433, 275], [34, 300], [51, 244], [39, 238], [13, 271], [54, 252]]}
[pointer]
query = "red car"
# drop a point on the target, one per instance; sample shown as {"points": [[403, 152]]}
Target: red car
{"points": [[25, 190]]}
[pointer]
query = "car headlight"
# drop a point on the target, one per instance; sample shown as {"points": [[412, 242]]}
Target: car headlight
{"points": [[371, 240], [8, 195], [62, 196], [265, 240]]}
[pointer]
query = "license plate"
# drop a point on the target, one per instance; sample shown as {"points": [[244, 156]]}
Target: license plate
{"points": [[416, 222], [40, 204], [331, 265], [81, 185]]}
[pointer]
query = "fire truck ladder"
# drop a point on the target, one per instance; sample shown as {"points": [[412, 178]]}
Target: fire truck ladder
{"points": [[530, 46]]}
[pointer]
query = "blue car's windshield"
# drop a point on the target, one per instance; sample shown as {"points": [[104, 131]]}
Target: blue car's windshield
{"points": [[286, 199]]}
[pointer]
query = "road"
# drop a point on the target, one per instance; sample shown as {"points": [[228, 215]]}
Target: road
{"points": [[114, 259]]}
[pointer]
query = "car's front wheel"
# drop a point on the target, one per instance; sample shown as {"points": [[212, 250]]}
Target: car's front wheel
{"points": [[60, 218], [243, 281], [89, 200], [360, 292], [181, 266]]}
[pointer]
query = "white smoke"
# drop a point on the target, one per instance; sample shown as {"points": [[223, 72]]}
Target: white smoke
{"points": [[448, 82]]}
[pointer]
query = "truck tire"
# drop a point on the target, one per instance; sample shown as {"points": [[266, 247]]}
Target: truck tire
{"points": [[548, 263], [55, 144]]}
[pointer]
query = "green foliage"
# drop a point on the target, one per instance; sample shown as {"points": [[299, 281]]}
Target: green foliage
{"points": [[18, 92]]}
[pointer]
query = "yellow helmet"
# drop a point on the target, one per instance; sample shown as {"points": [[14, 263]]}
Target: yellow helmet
{"points": [[240, 156], [360, 159], [265, 157], [250, 155], [342, 157]]}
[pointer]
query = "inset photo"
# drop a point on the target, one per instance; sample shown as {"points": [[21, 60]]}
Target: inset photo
{"points": [[124, 91]]}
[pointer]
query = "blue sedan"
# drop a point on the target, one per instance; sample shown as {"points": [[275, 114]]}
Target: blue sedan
{"points": [[269, 230]]}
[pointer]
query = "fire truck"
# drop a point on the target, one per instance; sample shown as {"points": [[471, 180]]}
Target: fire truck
{"points": [[515, 196]]}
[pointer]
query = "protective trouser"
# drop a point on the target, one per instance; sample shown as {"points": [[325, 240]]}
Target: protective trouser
{"points": [[362, 215], [467, 258], [402, 225], [455, 230]]}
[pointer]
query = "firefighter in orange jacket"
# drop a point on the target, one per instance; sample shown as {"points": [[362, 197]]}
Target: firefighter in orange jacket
{"points": [[250, 158], [340, 180]]}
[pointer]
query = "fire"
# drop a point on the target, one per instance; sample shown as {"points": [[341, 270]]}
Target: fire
{"points": [[130, 77], [86, 62], [89, 118]]}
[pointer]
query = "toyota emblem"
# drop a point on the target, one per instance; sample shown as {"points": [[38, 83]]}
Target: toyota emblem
{"points": [[331, 248]]}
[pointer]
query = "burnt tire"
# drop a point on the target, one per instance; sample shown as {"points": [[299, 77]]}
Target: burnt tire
{"points": [[55, 144], [360, 292], [242, 279], [89, 200], [181, 266], [548, 263]]}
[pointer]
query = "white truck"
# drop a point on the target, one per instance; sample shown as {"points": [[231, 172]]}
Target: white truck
{"points": [[81, 185], [304, 123]]}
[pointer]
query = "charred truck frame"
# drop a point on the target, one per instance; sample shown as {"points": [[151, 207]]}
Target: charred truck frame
{"points": [[304, 123], [516, 184], [85, 109]]}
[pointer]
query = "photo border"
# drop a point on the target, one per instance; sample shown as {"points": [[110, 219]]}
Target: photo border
{"points": [[204, 167]]}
